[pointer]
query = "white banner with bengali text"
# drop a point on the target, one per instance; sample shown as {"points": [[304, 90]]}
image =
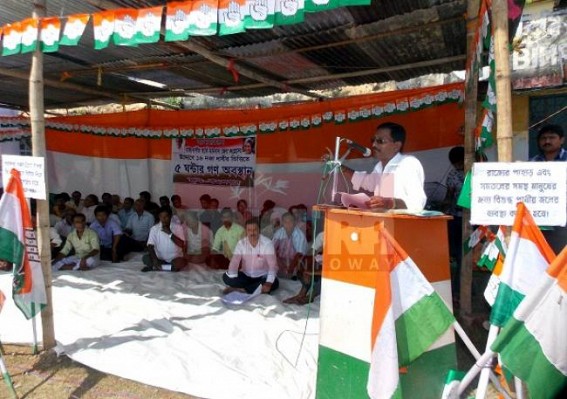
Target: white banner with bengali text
{"points": [[220, 161]]}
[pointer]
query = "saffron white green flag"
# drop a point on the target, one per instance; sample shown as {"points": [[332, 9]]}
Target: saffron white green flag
{"points": [[49, 34], [532, 344], [259, 14], [409, 316], [493, 259], [528, 256], [231, 16], [289, 12], [177, 21], [74, 29], [103, 25], [30, 32], [125, 27], [12, 40], [15, 226], [149, 25], [203, 19]]}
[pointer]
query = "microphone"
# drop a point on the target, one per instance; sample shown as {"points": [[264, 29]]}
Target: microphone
{"points": [[365, 151]]}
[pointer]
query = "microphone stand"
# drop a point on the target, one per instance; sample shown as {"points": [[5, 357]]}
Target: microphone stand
{"points": [[336, 166]]}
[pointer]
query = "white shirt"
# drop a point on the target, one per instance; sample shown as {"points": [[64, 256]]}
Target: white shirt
{"points": [[203, 238], [164, 246], [402, 178], [257, 261]]}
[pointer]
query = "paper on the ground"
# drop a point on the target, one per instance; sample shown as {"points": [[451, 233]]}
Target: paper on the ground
{"points": [[239, 297], [357, 200]]}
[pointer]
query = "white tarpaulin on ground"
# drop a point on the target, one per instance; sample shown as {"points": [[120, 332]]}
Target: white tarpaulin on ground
{"points": [[171, 330]]}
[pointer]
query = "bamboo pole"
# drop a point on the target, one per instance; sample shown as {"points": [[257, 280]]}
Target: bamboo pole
{"points": [[471, 90], [503, 84], [38, 150]]}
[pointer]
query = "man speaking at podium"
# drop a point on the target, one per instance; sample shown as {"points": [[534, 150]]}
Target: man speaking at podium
{"points": [[397, 179]]}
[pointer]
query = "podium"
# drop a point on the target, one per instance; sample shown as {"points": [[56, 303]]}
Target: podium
{"points": [[348, 290]]}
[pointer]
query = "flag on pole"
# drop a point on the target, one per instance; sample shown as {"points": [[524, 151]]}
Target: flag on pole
{"points": [[30, 30], [203, 19], [527, 258], [409, 316], [103, 24], [12, 40], [149, 25], [125, 27], [177, 21], [476, 236], [289, 12], [74, 29], [49, 34], [532, 344], [493, 259], [259, 14], [15, 227], [231, 16]]}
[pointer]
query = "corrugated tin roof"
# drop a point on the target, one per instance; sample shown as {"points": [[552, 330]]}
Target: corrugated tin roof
{"points": [[388, 40]]}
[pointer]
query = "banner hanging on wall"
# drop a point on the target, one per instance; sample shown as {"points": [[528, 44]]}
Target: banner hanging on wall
{"points": [[214, 161]]}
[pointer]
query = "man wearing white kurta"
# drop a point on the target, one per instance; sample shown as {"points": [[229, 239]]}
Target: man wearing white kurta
{"points": [[256, 257], [166, 245], [397, 179]]}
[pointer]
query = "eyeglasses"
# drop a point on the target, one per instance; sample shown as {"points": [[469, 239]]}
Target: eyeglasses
{"points": [[378, 140]]}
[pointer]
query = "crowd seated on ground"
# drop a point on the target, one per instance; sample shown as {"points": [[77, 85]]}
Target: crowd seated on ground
{"points": [[171, 237]]}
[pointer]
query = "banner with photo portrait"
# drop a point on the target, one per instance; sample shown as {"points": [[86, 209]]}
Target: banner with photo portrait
{"points": [[220, 161]]}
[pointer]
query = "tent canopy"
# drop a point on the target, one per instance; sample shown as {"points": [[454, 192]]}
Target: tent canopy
{"points": [[387, 40]]}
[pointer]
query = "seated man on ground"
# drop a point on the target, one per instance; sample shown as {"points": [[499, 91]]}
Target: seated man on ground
{"points": [[138, 227], [291, 246], [84, 242], [76, 202], [225, 241], [199, 239], [309, 275], [90, 204], [113, 244], [166, 245], [253, 263], [126, 211], [65, 226]]}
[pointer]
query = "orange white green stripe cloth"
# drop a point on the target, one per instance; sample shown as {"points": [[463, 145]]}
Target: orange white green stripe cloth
{"points": [[532, 344], [409, 317], [28, 286], [527, 258]]}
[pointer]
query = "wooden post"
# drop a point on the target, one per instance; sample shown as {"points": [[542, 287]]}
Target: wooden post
{"points": [[39, 150], [471, 89], [503, 84]]}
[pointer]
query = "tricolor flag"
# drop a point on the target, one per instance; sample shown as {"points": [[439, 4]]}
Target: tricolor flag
{"points": [[15, 223], [475, 238], [125, 27], [289, 12], [177, 21], [231, 16], [74, 29], [493, 259], [409, 316], [103, 24], [259, 14], [149, 25], [528, 256], [49, 34], [12, 40], [30, 30], [532, 344], [203, 19]]}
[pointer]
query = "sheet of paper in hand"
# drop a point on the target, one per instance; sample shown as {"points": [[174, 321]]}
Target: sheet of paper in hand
{"points": [[357, 200], [238, 297]]}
